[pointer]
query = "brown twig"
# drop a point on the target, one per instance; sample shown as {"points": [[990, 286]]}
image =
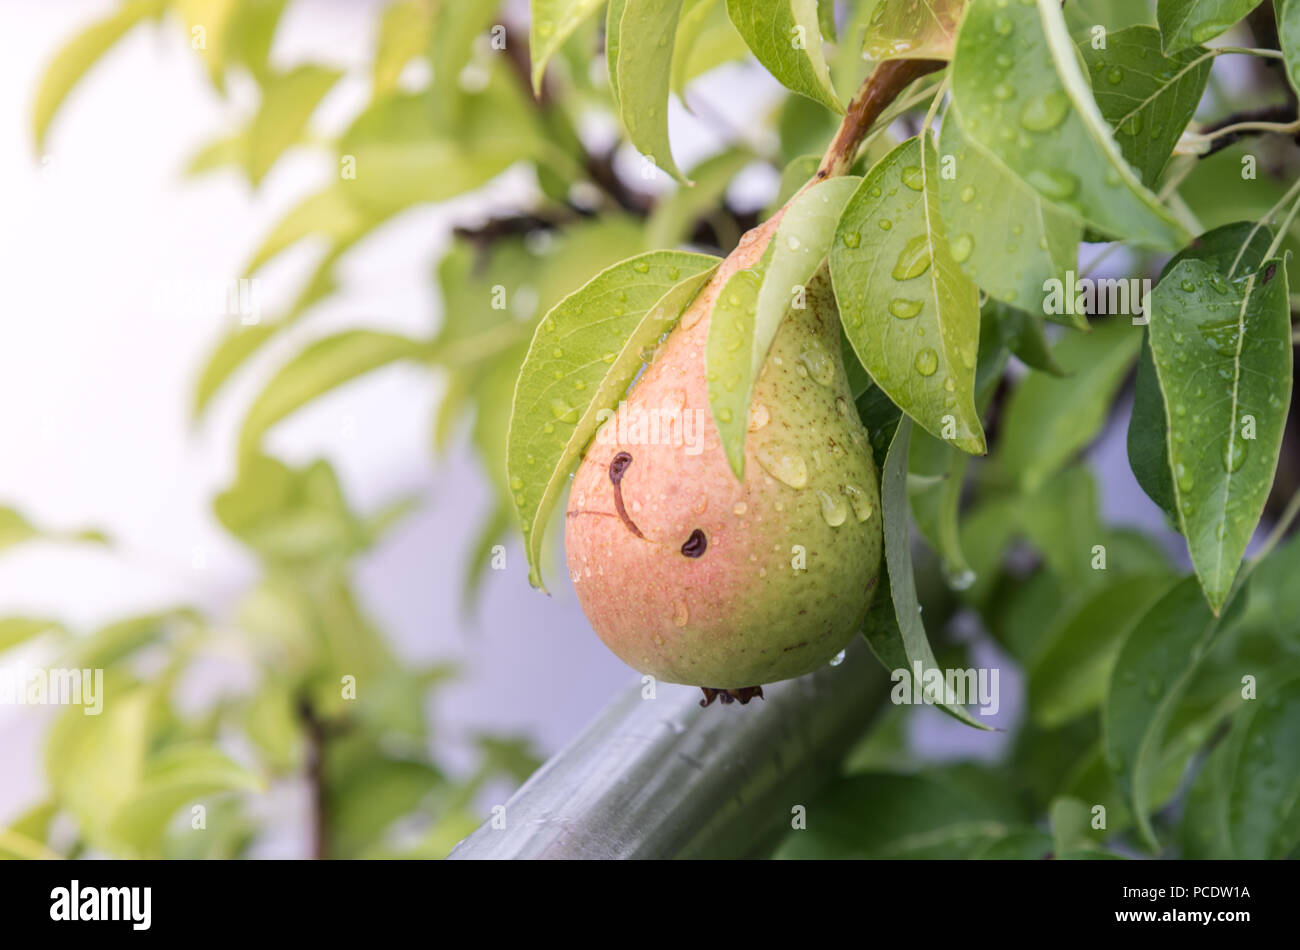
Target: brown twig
{"points": [[1284, 113], [880, 88], [317, 734]]}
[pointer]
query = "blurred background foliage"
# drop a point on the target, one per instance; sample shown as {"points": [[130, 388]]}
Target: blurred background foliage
{"points": [[450, 109]]}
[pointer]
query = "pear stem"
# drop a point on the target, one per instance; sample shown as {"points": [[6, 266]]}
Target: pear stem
{"points": [[881, 87]]}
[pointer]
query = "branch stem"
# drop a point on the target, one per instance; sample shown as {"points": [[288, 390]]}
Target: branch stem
{"points": [[878, 90]]}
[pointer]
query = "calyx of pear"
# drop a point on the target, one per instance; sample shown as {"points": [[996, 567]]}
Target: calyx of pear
{"points": [[695, 576]]}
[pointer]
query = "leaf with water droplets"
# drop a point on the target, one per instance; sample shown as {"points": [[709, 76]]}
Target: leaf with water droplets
{"points": [[786, 37], [728, 360], [1241, 245], [913, 29], [1221, 345], [893, 627], [924, 362], [641, 67], [1185, 23], [551, 23], [1150, 676], [1263, 794], [1049, 419], [1147, 98], [1022, 95], [1005, 235], [566, 381], [798, 249]]}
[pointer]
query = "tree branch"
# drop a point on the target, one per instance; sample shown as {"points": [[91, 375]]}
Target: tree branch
{"points": [[877, 91]]}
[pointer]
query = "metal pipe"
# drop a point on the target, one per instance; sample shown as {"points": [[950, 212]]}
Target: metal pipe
{"points": [[665, 778]]}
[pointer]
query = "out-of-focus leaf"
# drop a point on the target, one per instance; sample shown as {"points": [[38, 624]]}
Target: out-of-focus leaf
{"points": [[1287, 13], [551, 23], [119, 639], [1048, 420], [405, 29], [321, 367], [1263, 794], [79, 54], [705, 38], [1023, 335], [17, 630], [674, 216], [880, 815], [176, 776], [288, 100]]}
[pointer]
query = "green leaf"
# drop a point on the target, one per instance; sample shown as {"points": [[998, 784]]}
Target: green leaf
{"points": [[786, 38], [593, 337], [405, 29], [322, 366], [992, 215], [288, 100], [1071, 663], [799, 248], [910, 313], [1288, 33], [18, 630], [613, 19], [120, 639], [1150, 675], [1222, 352], [1025, 844], [552, 22], [1021, 94], [1263, 794], [16, 529], [882, 815], [728, 359], [456, 28], [1022, 334], [1048, 419], [1148, 435], [1242, 245], [1147, 98], [674, 216], [1184, 23], [644, 73], [793, 177], [936, 506], [894, 628], [705, 38], [76, 57], [913, 29], [176, 776], [1071, 827]]}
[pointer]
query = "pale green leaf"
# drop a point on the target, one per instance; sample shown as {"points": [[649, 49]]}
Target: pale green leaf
{"points": [[553, 22], [644, 69], [405, 29], [728, 360], [591, 340], [288, 100], [18, 630], [786, 37], [1005, 235], [910, 313], [894, 628], [674, 216], [77, 56], [322, 366], [1184, 23], [706, 38], [913, 29], [1022, 94]]}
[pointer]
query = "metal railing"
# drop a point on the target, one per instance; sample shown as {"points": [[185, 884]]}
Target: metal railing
{"points": [[665, 778]]}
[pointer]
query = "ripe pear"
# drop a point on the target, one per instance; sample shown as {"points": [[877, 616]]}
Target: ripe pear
{"points": [[695, 576]]}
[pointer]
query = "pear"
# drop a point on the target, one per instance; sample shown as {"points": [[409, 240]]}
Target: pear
{"points": [[694, 576]]}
